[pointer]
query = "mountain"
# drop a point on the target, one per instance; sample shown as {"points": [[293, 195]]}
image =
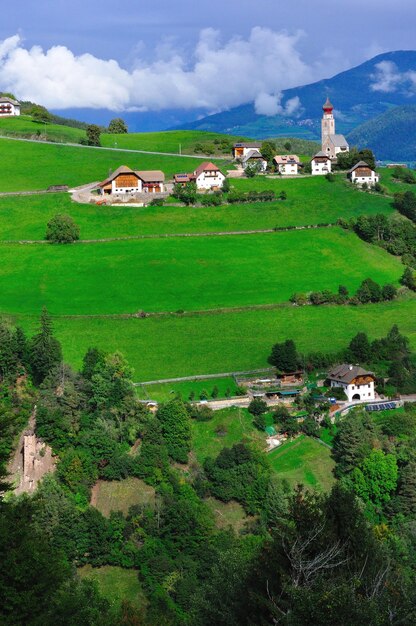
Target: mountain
{"points": [[391, 135], [358, 94]]}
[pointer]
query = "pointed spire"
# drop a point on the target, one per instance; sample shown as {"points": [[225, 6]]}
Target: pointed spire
{"points": [[328, 107]]}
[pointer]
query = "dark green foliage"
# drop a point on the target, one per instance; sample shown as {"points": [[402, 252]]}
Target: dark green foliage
{"points": [[257, 406], [117, 126], [408, 279], [62, 229], [176, 429], [284, 357], [93, 135], [92, 358], [241, 474], [157, 202], [353, 442], [347, 160], [44, 350], [259, 421], [185, 193], [388, 292], [268, 151], [369, 291], [40, 114], [360, 348], [405, 203], [407, 490]]}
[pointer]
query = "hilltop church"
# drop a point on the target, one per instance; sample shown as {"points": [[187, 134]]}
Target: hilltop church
{"points": [[332, 144]]}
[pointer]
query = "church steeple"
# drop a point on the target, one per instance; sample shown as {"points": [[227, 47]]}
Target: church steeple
{"points": [[328, 108]]}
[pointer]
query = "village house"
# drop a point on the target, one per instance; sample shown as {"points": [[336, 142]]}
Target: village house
{"points": [[126, 180], [362, 174], [254, 157], [242, 148], [207, 177], [287, 164], [357, 383], [320, 164], [9, 107], [332, 144]]}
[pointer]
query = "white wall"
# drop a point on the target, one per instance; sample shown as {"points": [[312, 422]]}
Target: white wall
{"points": [[360, 180], [366, 392], [320, 169], [287, 169], [207, 182]]}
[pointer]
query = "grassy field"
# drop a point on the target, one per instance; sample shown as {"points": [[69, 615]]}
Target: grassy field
{"points": [[228, 514], [166, 391], [392, 185], [25, 217], [116, 584], [189, 274], [24, 126], [120, 495], [41, 165], [304, 460], [227, 427], [208, 344]]}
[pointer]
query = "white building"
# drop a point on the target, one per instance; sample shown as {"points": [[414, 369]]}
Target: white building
{"points": [[320, 164], [254, 157], [332, 144], [287, 164], [242, 148], [362, 174], [125, 180], [357, 383], [208, 177], [9, 107]]}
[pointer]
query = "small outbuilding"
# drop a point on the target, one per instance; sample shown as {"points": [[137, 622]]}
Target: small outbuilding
{"points": [[254, 157], [9, 107], [362, 174], [242, 148], [127, 181]]}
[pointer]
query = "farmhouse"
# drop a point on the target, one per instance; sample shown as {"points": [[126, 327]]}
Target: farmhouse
{"points": [[362, 174], [254, 157], [287, 164], [320, 164], [8, 106], [241, 149], [357, 383], [126, 180], [207, 177], [332, 144]]}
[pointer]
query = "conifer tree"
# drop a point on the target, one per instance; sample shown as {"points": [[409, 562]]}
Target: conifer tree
{"points": [[45, 350]]}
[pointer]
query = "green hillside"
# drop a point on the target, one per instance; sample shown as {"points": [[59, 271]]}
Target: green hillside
{"points": [[24, 126], [392, 135]]}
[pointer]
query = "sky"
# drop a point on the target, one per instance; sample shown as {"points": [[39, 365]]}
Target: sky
{"points": [[154, 55]]}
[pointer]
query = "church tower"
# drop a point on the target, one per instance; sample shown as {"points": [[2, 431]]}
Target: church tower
{"points": [[328, 122]]}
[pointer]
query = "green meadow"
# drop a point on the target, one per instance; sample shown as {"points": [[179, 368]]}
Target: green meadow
{"points": [[116, 584], [166, 391], [41, 165], [186, 274], [224, 342], [24, 126]]}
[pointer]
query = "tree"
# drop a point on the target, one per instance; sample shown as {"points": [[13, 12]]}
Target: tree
{"points": [[268, 150], [259, 422], [287, 146], [360, 348], [369, 291], [44, 350], [62, 229], [375, 478], [40, 114], [408, 279], [176, 429], [284, 356], [185, 193], [388, 292], [93, 135], [117, 126], [111, 382], [257, 406]]}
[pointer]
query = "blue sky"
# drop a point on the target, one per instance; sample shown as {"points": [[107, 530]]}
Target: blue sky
{"points": [[155, 55]]}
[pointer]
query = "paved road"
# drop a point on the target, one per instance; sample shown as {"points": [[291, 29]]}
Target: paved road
{"points": [[78, 145]]}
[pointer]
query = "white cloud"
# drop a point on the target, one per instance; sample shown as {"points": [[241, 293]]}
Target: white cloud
{"points": [[387, 78], [220, 75], [270, 105]]}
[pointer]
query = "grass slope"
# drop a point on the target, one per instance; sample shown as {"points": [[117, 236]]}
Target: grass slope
{"points": [[41, 165], [166, 141], [190, 274], [120, 495], [304, 460], [310, 201], [208, 344], [116, 584], [166, 391], [24, 126]]}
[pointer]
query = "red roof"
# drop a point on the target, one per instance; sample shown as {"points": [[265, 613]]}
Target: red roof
{"points": [[207, 166], [328, 107]]}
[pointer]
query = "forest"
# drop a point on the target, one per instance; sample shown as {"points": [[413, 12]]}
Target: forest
{"points": [[346, 557]]}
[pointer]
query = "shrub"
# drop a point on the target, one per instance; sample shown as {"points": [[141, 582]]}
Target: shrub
{"points": [[257, 407], [62, 229], [156, 202]]}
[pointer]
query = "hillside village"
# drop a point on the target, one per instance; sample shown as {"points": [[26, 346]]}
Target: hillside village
{"points": [[203, 337]]}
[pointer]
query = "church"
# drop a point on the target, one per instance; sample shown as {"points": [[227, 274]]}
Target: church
{"points": [[332, 144]]}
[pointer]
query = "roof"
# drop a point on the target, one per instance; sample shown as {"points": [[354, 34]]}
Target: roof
{"points": [[206, 166], [9, 100], [151, 176], [123, 169], [360, 164], [338, 140], [247, 144], [328, 104], [320, 155], [253, 154], [281, 159], [346, 373], [182, 178]]}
